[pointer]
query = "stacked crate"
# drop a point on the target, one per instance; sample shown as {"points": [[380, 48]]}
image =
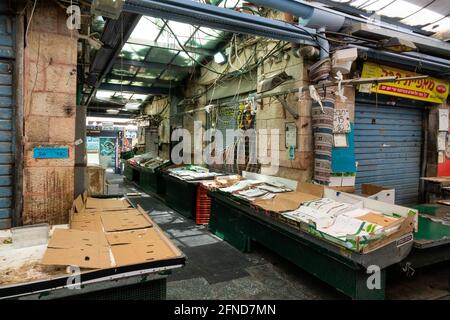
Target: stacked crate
{"points": [[203, 205]]}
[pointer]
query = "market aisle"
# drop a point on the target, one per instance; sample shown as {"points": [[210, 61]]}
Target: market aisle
{"points": [[216, 270]]}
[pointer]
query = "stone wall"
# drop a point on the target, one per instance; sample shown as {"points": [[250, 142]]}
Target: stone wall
{"points": [[49, 115]]}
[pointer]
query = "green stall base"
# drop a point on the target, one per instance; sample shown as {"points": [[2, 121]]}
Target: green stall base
{"points": [[152, 182], [181, 195], [128, 171], [240, 225], [132, 173], [126, 155], [432, 241]]}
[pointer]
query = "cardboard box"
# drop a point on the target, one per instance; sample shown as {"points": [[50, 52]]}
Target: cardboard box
{"points": [[399, 222], [84, 249], [289, 201], [379, 193], [106, 233]]}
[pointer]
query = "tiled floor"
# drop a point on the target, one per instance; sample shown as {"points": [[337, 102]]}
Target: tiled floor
{"points": [[216, 270]]}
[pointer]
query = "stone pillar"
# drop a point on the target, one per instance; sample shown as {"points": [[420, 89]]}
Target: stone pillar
{"points": [[49, 114]]}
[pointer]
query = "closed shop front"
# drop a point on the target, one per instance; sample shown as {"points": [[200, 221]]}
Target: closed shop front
{"points": [[388, 147], [6, 117]]}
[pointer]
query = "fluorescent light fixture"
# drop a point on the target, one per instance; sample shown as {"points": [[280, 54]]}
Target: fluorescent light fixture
{"points": [[112, 111], [220, 58]]}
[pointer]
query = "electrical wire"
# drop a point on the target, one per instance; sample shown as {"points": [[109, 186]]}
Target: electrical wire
{"points": [[418, 10], [29, 21], [314, 37], [187, 53], [384, 7]]}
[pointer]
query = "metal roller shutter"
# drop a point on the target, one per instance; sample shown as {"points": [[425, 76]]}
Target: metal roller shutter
{"points": [[389, 152], [6, 120]]}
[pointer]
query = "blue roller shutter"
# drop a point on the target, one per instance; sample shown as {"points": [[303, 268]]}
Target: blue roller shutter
{"points": [[389, 152], [6, 119]]}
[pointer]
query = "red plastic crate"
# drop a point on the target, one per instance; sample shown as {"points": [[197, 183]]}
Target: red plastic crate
{"points": [[203, 206]]}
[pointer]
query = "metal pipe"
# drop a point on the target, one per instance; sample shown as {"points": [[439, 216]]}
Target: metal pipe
{"points": [[424, 62], [309, 16], [323, 43], [206, 15], [315, 15]]}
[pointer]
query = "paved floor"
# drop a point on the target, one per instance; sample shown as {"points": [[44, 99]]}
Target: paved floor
{"points": [[216, 270]]}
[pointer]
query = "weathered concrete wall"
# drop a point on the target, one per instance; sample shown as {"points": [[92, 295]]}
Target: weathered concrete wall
{"points": [[272, 115], [49, 115], [161, 107]]}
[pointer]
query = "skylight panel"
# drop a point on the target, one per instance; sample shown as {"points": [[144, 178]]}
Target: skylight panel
{"points": [[423, 17], [148, 28]]}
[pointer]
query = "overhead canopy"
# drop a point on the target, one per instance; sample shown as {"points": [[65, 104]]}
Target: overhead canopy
{"points": [[157, 57], [432, 17]]}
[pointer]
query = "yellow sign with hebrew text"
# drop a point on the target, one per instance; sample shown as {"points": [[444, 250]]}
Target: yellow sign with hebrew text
{"points": [[430, 89]]}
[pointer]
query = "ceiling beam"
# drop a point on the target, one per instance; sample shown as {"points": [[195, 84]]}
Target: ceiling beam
{"points": [[206, 15], [156, 65], [109, 115], [157, 82], [172, 46], [135, 89], [114, 36]]}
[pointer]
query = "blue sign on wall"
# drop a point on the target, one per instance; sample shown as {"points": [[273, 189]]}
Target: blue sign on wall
{"points": [[50, 153], [343, 159]]}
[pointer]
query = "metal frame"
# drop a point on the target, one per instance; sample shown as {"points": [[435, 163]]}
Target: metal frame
{"points": [[196, 13], [113, 43], [158, 82], [134, 89], [18, 85], [182, 11]]}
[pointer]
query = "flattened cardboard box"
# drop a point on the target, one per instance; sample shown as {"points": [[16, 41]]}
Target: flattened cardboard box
{"points": [[132, 236], [94, 224], [84, 249], [139, 246], [106, 204], [283, 202], [133, 239], [124, 220], [140, 252]]}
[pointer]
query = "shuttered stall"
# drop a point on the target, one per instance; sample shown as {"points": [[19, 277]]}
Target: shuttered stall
{"points": [[6, 118], [388, 144]]}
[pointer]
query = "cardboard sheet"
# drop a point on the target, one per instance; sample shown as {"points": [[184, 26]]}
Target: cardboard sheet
{"points": [[140, 252], [106, 204], [379, 219], [78, 204], [87, 225], [124, 220], [84, 249], [309, 188], [132, 236], [283, 202], [108, 234]]}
